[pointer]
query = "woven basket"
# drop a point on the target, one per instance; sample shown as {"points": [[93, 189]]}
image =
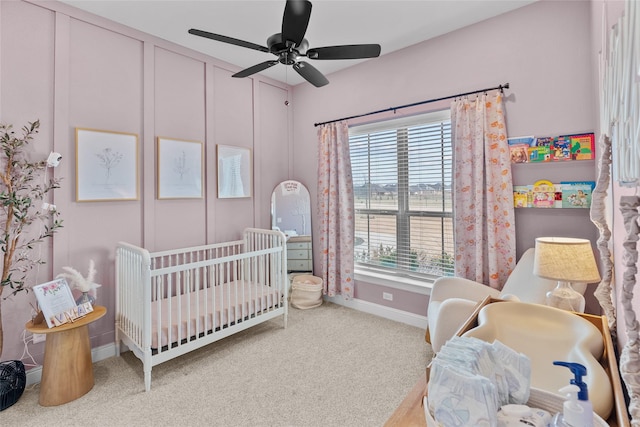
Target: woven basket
{"points": [[306, 291], [13, 379]]}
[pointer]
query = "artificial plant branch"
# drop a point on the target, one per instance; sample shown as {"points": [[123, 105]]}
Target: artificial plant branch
{"points": [[20, 195]]}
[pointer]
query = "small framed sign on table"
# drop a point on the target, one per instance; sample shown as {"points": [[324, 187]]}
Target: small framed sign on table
{"points": [[57, 304]]}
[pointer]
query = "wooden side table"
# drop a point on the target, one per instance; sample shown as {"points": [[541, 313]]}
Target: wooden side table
{"points": [[67, 371]]}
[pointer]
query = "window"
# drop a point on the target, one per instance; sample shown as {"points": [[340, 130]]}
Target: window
{"points": [[402, 187]]}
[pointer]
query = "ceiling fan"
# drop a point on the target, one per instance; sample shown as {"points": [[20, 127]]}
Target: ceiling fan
{"points": [[289, 46]]}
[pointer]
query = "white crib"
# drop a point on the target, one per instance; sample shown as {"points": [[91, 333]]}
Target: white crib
{"points": [[172, 302]]}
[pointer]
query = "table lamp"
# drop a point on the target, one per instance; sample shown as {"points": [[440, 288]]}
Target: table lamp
{"points": [[566, 260]]}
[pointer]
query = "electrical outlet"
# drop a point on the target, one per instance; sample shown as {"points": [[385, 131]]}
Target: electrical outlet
{"points": [[388, 296], [38, 338]]}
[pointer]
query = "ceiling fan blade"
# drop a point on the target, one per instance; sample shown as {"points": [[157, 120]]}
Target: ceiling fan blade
{"points": [[256, 68], [229, 40], [295, 20], [350, 51], [310, 74]]}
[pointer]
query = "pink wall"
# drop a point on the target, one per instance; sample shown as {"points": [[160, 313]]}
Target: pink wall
{"points": [[71, 69], [542, 50]]}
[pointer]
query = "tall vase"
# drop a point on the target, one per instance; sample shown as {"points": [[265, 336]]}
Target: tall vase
{"points": [[86, 297]]}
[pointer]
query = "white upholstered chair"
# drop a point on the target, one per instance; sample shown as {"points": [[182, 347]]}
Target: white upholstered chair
{"points": [[453, 299]]}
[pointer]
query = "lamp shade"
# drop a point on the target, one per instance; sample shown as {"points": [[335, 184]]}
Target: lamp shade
{"points": [[565, 259]]}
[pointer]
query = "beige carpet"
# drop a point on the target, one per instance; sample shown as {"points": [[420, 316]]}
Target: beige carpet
{"points": [[332, 366]]}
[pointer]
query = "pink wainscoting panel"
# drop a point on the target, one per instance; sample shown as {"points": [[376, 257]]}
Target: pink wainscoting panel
{"points": [[179, 114], [272, 147], [26, 94], [234, 126], [105, 76], [28, 63]]}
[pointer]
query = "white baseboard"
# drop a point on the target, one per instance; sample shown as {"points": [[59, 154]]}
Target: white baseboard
{"points": [[381, 310], [34, 375]]}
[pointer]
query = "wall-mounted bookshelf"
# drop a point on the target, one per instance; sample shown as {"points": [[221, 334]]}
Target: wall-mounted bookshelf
{"points": [[558, 160], [531, 149], [544, 194]]}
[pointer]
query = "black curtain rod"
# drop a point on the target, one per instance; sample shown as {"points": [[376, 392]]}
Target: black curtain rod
{"points": [[500, 87]]}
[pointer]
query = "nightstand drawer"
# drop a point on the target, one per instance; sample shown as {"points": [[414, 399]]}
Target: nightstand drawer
{"points": [[298, 255], [299, 265], [292, 246]]}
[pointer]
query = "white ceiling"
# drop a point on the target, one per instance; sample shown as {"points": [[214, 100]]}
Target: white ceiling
{"points": [[394, 24]]}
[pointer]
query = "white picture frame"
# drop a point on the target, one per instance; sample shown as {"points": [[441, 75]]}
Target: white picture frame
{"points": [[234, 172], [180, 169], [106, 165]]}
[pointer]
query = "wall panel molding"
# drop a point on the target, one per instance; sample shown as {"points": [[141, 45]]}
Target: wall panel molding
{"points": [[61, 128], [148, 148], [210, 167]]}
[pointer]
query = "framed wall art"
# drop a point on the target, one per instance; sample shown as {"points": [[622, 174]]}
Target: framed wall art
{"points": [[106, 165], [234, 172], [180, 169]]}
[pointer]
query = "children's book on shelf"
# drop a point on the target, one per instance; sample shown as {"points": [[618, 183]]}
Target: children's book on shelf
{"points": [[57, 304], [558, 199], [541, 153], [522, 196], [583, 146], [561, 148], [577, 194], [528, 140], [543, 141], [519, 148], [540, 149], [543, 194], [519, 153]]}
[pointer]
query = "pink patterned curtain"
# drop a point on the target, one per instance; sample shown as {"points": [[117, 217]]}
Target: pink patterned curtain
{"points": [[335, 209], [483, 191]]}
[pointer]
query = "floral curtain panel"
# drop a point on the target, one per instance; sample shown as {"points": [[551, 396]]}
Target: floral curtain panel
{"points": [[335, 210], [484, 226]]}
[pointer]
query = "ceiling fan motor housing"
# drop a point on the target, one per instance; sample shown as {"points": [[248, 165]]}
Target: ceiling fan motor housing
{"points": [[286, 51]]}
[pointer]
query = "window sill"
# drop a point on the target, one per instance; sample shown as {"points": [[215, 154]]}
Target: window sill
{"points": [[402, 283]]}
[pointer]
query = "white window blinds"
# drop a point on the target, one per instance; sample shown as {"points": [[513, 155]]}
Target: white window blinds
{"points": [[402, 186]]}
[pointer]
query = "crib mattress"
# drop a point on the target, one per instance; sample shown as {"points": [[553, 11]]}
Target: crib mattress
{"points": [[184, 316]]}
